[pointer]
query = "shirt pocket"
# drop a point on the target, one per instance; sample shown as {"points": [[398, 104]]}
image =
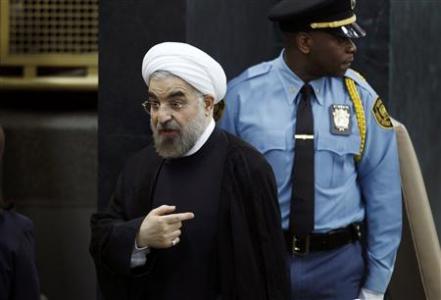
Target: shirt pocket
{"points": [[269, 141], [273, 145], [335, 164]]}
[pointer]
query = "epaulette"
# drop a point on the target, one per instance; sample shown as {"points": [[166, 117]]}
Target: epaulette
{"points": [[355, 75], [360, 81], [252, 72]]}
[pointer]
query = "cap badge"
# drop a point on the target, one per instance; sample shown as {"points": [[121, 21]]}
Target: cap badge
{"points": [[353, 3], [340, 116]]}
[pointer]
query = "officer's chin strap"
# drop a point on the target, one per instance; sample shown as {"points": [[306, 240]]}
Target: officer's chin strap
{"points": [[359, 113]]}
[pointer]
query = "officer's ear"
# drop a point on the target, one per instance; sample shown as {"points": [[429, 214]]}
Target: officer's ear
{"points": [[303, 41]]}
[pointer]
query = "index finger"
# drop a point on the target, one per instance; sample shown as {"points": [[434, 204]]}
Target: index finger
{"points": [[174, 218]]}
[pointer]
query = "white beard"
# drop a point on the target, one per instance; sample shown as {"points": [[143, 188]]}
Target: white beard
{"points": [[173, 147]]}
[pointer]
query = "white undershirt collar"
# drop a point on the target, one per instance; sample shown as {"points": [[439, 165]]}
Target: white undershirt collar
{"points": [[202, 139]]}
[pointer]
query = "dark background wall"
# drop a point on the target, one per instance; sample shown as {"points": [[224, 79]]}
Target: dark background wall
{"points": [[372, 59], [415, 84], [236, 33], [50, 173], [127, 29]]}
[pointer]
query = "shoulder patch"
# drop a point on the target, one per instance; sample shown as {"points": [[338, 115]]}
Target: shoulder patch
{"points": [[381, 115]]}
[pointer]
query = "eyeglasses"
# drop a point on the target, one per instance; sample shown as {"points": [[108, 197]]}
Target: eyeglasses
{"points": [[153, 106]]}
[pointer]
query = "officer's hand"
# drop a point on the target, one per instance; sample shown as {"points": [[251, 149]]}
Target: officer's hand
{"points": [[161, 228]]}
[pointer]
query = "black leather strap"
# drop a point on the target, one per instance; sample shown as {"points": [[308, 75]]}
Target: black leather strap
{"points": [[323, 241]]}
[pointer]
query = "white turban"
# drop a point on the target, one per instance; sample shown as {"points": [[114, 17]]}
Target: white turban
{"points": [[188, 63]]}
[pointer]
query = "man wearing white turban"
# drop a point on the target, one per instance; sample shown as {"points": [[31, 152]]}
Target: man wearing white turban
{"points": [[195, 216]]}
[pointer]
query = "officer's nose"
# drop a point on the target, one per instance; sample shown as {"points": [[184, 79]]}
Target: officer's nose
{"points": [[351, 47]]}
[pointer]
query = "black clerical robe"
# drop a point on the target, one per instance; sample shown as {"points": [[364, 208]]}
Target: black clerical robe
{"points": [[18, 271], [248, 254]]}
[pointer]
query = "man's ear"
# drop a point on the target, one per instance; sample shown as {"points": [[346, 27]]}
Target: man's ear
{"points": [[219, 109], [209, 104], [303, 42]]}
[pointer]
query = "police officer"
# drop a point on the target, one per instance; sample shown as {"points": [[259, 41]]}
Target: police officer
{"points": [[332, 147]]}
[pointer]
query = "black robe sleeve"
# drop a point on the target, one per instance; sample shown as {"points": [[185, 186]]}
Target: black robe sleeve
{"points": [[18, 271], [252, 251], [114, 229], [26, 283]]}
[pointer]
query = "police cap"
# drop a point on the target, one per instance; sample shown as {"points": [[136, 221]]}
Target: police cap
{"points": [[334, 16]]}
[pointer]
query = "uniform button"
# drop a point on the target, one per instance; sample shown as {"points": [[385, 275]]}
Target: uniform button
{"points": [[292, 89]]}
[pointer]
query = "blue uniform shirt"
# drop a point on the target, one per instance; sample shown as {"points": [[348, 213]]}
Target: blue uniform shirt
{"points": [[261, 109]]}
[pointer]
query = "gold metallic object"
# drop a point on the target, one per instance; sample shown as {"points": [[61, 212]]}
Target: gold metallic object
{"points": [[52, 43], [334, 24], [304, 136], [359, 113]]}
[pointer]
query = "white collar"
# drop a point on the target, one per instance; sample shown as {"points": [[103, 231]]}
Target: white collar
{"points": [[202, 139]]}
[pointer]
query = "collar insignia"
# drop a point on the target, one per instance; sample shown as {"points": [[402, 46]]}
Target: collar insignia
{"points": [[340, 116]]}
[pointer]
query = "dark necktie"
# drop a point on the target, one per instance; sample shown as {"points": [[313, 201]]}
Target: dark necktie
{"points": [[302, 199]]}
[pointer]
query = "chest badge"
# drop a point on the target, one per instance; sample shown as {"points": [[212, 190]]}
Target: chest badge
{"points": [[340, 116]]}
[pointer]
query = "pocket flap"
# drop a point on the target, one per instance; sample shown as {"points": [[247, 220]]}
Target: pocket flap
{"points": [[266, 141], [340, 145]]}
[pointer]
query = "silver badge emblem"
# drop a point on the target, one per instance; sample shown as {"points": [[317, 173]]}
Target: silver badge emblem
{"points": [[340, 116], [353, 3]]}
